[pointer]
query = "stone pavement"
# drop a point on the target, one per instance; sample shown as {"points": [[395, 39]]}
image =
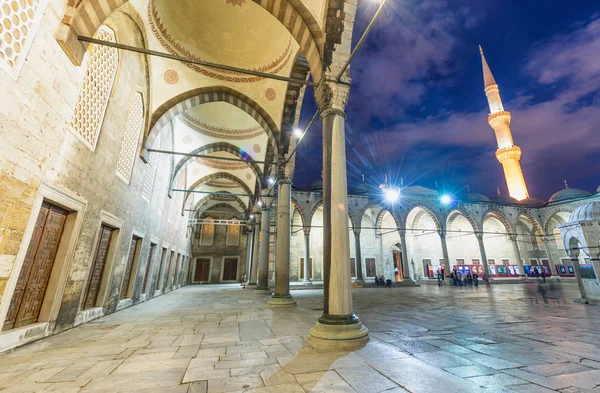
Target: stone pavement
{"points": [[220, 339]]}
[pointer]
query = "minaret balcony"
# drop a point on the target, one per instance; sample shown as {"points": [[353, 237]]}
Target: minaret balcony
{"points": [[512, 153], [499, 119]]}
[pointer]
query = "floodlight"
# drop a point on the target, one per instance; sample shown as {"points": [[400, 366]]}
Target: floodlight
{"points": [[446, 199], [298, 133], [392, 194]]}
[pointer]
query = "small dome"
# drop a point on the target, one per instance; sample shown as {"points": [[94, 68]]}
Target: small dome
{"points": [[475, 197], [588, 212], [569, 193], [360, 189], [418, 190], [598, 189], [532, 202], [504, 200], [317, 185]]}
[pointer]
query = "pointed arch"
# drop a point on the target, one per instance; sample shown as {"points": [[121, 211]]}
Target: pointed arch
{"points": [[417, 211], [218, 147], [218, 175], [191, 98], [232, 200], [537, 227], [498, 215], [83, 17], [298, 209], [457, 211]]}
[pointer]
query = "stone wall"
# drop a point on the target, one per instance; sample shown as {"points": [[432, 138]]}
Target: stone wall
{"points": [[38, 148]]}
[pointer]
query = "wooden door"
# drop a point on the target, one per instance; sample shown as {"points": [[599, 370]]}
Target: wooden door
{"points": [[168, 271], [398, 266], [370, 262], [25, 305], [175, 275], [230, 269], [310, 270], [202, 270], [128, 266], [148, 266], [352, 267], [161, 268], [98, 267]]}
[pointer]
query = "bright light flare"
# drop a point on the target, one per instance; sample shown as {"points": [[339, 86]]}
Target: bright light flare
{"points": [[392, 194], [251, 216], [446, 199], [259, 203], [298, 133], [270, 180]]}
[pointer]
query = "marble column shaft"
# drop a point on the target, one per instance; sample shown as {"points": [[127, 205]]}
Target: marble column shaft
{"points": [[306, 277], [358, 259], [263, 259], [549, 253], [517, 252], [574, 255], [482, 253], [255, 250], [282, 255], [447, 267], [405, 265]]}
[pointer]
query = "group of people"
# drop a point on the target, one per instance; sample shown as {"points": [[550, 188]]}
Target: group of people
{"points": [[461, 279]]}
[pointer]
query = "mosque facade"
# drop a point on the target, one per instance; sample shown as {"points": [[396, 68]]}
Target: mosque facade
{"points": [[145, 147]]}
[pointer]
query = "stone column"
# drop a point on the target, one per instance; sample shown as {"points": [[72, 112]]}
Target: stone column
{"points": [[253, 281], [359, 272], [282, 296], [447, 267], [306, 278], [263, 258], [517, 252], [482, 253], [405, 265], [338, 326], [547, 240], [249, 240], [574, 255]]}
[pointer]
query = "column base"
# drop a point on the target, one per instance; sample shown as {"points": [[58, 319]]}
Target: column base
{"points": [[251, 286], [346, 333], [359, 282], [306, 282], [281, 301], [262, 291]]}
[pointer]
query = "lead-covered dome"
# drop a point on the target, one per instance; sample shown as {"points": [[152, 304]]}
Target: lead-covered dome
{"points": [[569, 193], [475, 197], [504, 200], [317, 185], [532, 202], [588, 212]]}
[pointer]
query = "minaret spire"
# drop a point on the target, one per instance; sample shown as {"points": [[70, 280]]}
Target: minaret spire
{"points": [[508, 153]]}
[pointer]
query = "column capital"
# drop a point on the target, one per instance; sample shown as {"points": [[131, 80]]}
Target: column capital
{"points": [[513, 237], [442, 232], [284, 180], [479, 235], [306, 231], [356, 231], [265, 209], [402, 232], [331, 97]]}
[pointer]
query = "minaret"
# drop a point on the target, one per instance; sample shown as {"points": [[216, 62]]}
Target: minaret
{"points": [[508, 153]]}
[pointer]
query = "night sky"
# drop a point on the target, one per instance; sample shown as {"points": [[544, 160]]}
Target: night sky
{"points": [[417, 108]]}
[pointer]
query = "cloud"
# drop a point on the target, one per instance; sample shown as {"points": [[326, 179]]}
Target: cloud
{"points": [[556, 124]]}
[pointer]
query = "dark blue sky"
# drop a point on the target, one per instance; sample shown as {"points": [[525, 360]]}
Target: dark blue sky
{"points": [[417, 109]]}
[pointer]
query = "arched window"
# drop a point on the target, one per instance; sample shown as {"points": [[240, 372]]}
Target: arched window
{"points": [[151, 172], [133, 128], [95, 92], [233, 234], [19, 21], [207, 234]]}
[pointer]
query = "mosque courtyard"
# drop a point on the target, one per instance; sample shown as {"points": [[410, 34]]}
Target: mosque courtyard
{"points": [[223, 338]]}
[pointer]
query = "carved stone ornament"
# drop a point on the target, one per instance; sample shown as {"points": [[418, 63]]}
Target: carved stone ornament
{"points": [[331, 96]]}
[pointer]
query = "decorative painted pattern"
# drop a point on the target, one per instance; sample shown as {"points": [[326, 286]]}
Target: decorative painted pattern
{"points": [[270, 94], [256, 148], [235, 2], [220, 132], [171, 77], [248, 176], [175, 48], [221, 164], [222, 183]]}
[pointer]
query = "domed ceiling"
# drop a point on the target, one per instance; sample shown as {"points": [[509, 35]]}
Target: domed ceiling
{"points": [[231, 32], [221, 120]]}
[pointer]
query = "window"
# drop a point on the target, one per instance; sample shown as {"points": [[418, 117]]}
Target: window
{"points": [[233, 234], [133, 128], [475, 261], [490, 262], [370, 265], [127, 283], [207, 233], [19, 21], [460, 261], [151, 172], [95, 92], [505, 262]]}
